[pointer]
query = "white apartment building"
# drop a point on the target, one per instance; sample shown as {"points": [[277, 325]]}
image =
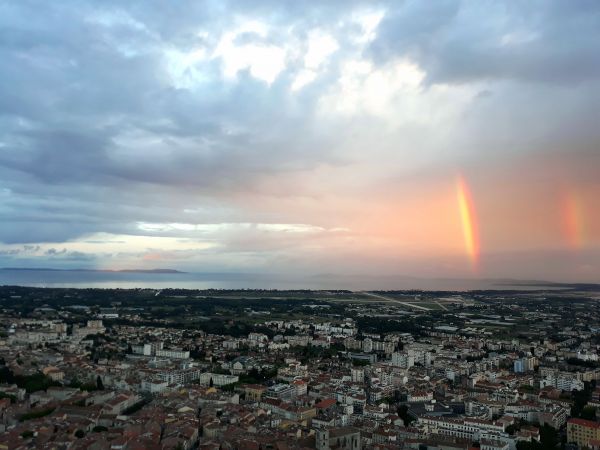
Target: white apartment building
{"points": [[218, 379], [466, 428], [173, 354], [180, 376], [562, 383], [404, 360]]}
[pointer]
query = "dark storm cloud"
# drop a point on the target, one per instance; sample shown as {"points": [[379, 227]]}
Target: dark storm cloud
{"points": [[75, 90], [461, 41]]}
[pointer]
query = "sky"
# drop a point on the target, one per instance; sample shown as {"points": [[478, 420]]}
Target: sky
{"points": [[428, 139]]}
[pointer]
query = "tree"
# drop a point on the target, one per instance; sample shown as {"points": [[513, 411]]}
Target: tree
{"points": [[360, 362], [588, 413], [31, 383], [79, 434], [211, 382], [229, 387], [36, 414], [388, 400], [549, 439], [12, 398], [404, 415], [99, 383], [580, 399]]}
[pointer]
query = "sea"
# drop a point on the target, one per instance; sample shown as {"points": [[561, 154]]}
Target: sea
{"points": [[190, 280]]}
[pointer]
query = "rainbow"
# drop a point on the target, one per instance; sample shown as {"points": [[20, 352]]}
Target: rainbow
{"points": [[571, 211], [468, 218]]}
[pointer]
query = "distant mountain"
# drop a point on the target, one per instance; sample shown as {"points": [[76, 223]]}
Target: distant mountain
{"points": [[45, 269]]}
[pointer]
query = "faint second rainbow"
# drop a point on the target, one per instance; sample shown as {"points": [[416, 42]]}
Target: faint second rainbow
{"points": [[468, 217]]}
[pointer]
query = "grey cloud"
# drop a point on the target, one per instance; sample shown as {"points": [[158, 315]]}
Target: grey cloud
{"points": [[65, 254], [84, 107], [460, 41], [53, 252], [25, 249], [11, 252]]}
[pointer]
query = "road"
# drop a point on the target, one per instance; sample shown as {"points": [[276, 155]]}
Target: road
{"points": [[441, 306], [389, 299]]}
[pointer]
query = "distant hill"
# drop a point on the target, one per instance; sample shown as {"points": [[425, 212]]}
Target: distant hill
{"points": [[44, 269]]}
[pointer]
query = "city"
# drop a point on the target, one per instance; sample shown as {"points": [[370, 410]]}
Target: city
{"points": [[260, 369]]}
